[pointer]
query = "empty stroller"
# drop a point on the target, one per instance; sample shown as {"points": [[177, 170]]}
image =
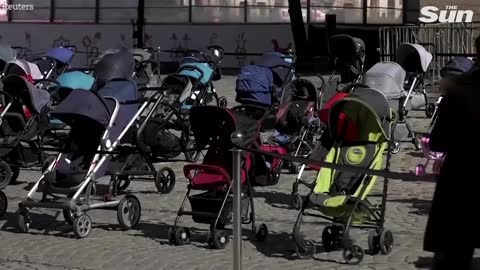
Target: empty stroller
{"points": [[348, 55], [55, 62], [23, 68], [388, 78], [360, 125], [23, 121], [415, 60], [68, 183], [214, 175]]}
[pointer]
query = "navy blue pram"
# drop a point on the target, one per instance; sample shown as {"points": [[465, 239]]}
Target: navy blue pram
{"points": [[262, 84]]}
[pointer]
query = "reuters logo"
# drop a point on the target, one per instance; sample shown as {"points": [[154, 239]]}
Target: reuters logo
{"points": [[19, 7]]}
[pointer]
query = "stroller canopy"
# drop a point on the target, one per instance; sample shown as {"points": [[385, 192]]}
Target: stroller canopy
{"points": [[22, 68], [413, 57], [221, 124], [122, 90], [456, 66], [84, 107], [280, 65], [140, 54], [62, 55], [35, 99], [347, 48], [76, 80], [119, 65], [300, 89], [388, 77], [361, 117], [7, 54]]}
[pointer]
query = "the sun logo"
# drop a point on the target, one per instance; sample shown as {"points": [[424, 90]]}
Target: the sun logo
{"points": [[432, 14]]}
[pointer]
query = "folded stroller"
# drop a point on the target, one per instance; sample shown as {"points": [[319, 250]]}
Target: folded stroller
{"points": [[68, 183], [23, 121], [360, 126], [213, 206], [388, 78], [55, 62], [415, 60]]}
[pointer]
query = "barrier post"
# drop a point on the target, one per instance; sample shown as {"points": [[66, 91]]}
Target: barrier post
{"points": [[237, 207]]}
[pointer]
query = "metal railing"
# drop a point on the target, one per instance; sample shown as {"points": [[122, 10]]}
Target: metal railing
{"points": [[443, 41]]}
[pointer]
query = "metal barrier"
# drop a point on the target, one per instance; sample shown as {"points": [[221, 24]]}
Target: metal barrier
{"points": [[443, 41]]}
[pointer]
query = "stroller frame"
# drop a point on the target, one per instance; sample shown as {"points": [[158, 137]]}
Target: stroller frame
{"points": [[74, 206]]}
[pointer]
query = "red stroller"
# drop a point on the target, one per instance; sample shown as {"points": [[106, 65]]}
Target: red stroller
{"points": [[213, 177]]}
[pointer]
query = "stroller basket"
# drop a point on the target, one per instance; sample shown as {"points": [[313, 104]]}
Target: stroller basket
{"points": [[210, 202]]}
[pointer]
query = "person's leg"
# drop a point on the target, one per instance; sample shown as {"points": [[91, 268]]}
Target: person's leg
{"points": [[460, 259]]}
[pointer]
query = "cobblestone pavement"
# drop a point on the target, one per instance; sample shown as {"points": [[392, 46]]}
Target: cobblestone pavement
{"points": [[50, 243]]}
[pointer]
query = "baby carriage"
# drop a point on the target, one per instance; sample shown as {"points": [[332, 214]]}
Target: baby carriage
{"points": [[361, 125], [388, 78], [297, 122], [147, 70], [348, 56], [214, 176], [415, 60], [68, 183], [55, 61], [23, 68], [7, 54], [23, 120]]}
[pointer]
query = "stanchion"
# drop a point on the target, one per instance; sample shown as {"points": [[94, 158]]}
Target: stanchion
{"points": [[237, 208]]}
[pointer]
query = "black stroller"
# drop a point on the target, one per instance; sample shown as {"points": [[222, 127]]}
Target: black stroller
{"points": [[24, 120], [214, 176], [68, 183], [415, 60], [55, 62]]}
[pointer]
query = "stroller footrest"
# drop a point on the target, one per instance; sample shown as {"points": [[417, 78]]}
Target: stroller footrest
{"points": [[197, 213]]}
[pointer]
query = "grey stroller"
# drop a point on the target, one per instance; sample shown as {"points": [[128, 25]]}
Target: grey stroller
{"points": [[388, 78]]}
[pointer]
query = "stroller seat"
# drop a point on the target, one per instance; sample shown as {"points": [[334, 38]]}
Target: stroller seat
{"points": [[206, 177], [336, 191], [65, 180]]}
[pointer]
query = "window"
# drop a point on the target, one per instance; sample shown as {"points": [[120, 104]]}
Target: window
{"points": [[74, 11], [384, 12], [114, 11], [346, 11], [40, 12], [271, 11], [164, 11], [218, 11]]}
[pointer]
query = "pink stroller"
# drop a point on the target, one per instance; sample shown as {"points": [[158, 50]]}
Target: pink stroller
{"points": [[436, 157]]}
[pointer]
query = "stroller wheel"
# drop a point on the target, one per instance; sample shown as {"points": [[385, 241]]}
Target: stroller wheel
{"points": [[395, 148], [165, 180], [69, 216], [128, 212], [353, 255], [430, 110], [297, 201], [330, 237], [82, 226], [420, 170], [219, 239], [23, 221], [373, 242], [417, 141], [3, 204], [5, 174], [306, 249], [191, 154], [261, 233], [386, 242], [222, 102], [181, 236]]}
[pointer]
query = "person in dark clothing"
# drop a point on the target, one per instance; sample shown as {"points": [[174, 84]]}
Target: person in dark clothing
{"points": [[452, 233]]}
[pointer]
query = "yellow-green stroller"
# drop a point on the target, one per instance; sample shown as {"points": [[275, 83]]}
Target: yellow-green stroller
{"points": [[361, 126]]}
